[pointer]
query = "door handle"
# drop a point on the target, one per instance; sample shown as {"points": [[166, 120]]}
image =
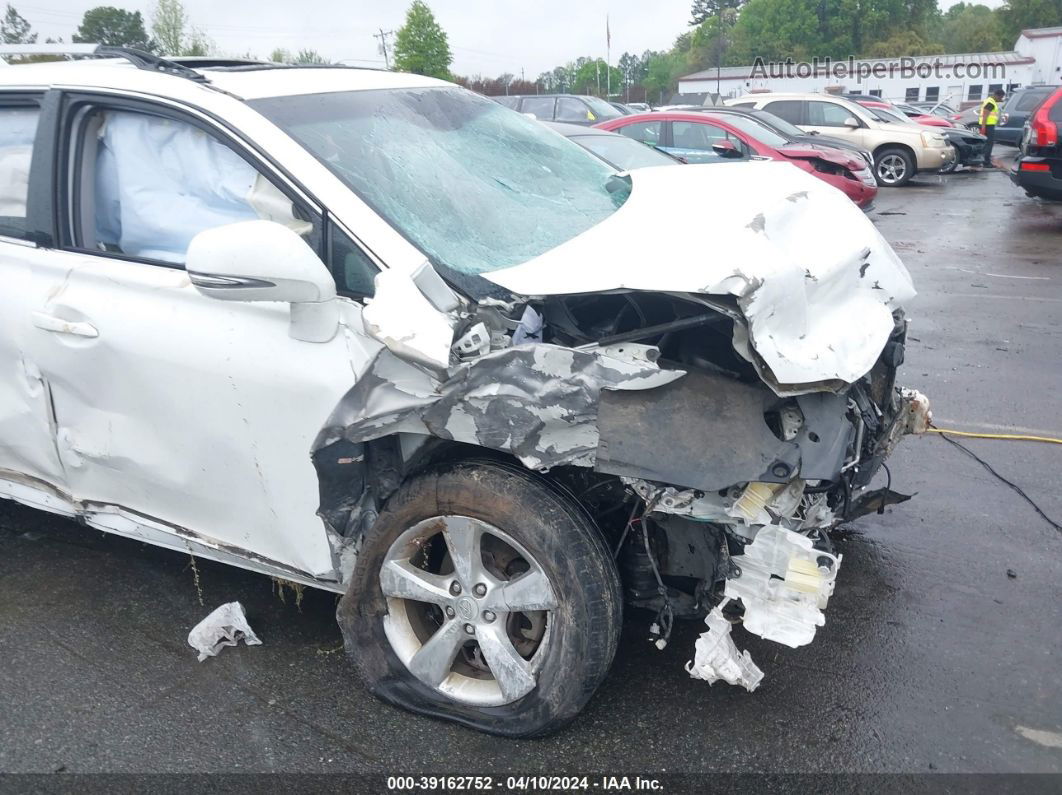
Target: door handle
{"points": [[43, 320]]}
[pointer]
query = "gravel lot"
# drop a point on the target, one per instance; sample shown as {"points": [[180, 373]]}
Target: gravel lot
{"points": [[941, 649]]}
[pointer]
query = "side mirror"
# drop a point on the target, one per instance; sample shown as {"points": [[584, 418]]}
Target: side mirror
{"points": [[726, 149], [266, 261], [852, 122]]}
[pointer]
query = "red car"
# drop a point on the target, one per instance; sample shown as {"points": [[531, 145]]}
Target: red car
{"points": [[728, 133], [908, 113]]}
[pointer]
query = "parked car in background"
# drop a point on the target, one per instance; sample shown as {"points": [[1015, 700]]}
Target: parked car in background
{"points": [[794, 133], [968, 144], [969, 148], [707, 137], [639, 107], [936, 108], [570, 108], [920, 116], [959, 118], [911, 115], [900, 149], [1038, 169], [1017, 110], [619, 106], [617, 150]]}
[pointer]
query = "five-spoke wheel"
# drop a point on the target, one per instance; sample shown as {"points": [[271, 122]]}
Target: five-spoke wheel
{"points": [[468, 609], [483, 594]]}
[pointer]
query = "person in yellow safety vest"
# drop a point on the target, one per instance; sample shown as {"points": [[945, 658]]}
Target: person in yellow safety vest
{"points": [[989, 118]]}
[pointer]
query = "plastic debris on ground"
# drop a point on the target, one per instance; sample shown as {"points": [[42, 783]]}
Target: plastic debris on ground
{"points": [[716, 657], [226, 626]]}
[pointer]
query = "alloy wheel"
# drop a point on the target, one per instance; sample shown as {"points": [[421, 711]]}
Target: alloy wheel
{"points": [[469, 609], [891, 169]]}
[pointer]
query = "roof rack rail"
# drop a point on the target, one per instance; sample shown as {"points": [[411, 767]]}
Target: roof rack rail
{"points": [[139, 58]]}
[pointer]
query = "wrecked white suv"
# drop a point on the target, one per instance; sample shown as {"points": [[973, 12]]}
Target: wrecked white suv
{"points": [[373, 333]]}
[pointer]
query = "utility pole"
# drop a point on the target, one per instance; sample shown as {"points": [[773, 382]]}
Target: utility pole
{"points": [[608, 59], [382, 36]]}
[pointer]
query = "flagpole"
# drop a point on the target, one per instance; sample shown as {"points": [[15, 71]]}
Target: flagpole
{"points": [[608, 59]]}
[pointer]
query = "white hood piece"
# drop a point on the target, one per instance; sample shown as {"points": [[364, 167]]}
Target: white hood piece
{"points": [[814, 278]]}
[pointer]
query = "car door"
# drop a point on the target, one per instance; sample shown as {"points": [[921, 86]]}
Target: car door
{"points": [[829, 118], [177, 411], [648, 132], [693, 141], [792, 110], [29, 462], [574, 111], [539, 107]]}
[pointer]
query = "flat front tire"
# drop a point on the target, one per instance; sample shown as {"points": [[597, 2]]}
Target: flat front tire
{"points": [[485, 595]]}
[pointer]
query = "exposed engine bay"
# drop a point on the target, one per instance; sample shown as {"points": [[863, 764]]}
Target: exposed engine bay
{"points": [[714, 491]]}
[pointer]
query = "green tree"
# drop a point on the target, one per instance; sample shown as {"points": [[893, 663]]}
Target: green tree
{"points": [[971, 28], [309, 57], [168, 25], [704, 10], [115, 27], [777, 29], [280, 55], [173, 32], [14, 29], [661, 75], [903, 42], [592, 77], [421, 45], [1018, 15]]}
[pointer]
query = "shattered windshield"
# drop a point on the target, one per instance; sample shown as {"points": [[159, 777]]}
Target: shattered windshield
{"points": [[476, 186]]}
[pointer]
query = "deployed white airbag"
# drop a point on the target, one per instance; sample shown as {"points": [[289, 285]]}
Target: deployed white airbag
{"points": [[160, 182]]}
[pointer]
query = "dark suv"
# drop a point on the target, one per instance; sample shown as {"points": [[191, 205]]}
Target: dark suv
{"points": [[570, 108], [1016, 111], [1038, 169]]}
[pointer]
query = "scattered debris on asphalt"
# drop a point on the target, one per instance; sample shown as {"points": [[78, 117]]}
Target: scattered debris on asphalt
{"points": [[226, 626]]}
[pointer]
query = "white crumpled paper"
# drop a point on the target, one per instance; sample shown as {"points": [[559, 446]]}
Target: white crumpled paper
{"points": [[226, 626]]}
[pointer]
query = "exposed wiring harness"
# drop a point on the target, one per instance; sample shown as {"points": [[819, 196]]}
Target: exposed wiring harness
{"points": [[946, 434], [660, 629]]}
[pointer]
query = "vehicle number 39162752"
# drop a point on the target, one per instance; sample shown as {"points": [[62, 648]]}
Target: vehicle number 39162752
{"points": [[520, 783]]}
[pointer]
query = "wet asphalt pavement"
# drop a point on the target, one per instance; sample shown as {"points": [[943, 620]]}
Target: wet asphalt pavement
{"points": [[933, 657]]}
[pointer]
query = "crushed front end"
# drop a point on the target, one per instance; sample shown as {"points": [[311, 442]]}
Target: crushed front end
{"points": [[716, 412]]}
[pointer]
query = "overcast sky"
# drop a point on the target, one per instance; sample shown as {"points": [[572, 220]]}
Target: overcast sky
{"points": [[487, 37]]}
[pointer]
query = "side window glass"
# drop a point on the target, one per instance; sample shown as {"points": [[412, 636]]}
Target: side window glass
{"points": [[18, 126], [648, 132], [572, 109], [149, 184], [351, 267], [701, 137], [540, 107], [826, 114], [788, 109]]}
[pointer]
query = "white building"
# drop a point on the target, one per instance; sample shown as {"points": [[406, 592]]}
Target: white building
{"points": [[956, 79]]}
